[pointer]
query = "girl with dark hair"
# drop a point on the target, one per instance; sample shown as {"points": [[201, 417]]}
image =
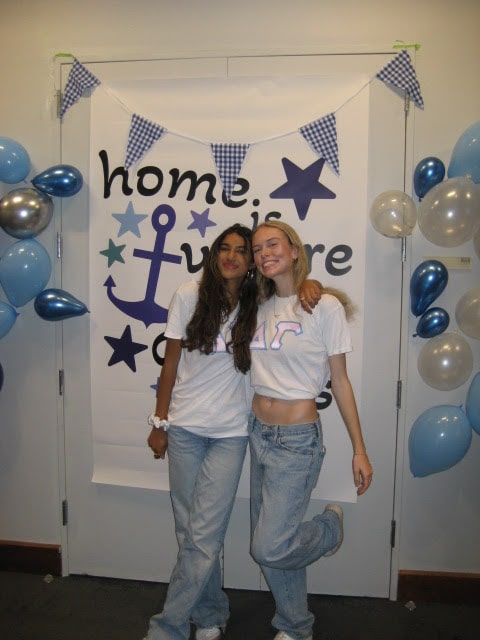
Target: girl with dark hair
{"points": [[203, 400]]}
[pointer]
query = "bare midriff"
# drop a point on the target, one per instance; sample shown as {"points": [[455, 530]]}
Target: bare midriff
{"points": [[285, 412]]}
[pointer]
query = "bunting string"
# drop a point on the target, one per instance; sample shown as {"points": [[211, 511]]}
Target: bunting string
{"points": [[320, 135]]}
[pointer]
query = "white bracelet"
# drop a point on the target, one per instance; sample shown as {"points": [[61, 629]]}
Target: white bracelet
{"points": [[158, 423]]}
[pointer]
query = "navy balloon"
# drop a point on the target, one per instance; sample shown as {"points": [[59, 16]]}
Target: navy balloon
{"points": [[433, 322], [62, 181], [428, 172], [57, 304], [440, 437], [472, 405], [427, 282]]}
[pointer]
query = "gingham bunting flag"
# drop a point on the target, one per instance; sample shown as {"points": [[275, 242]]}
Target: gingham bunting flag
{"points": [[229, 160], [142, 135], [400, 73], [321, 135], [79, 79]]}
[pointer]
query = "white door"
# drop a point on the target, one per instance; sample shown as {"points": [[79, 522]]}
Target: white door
{"points": [[128, 532]]}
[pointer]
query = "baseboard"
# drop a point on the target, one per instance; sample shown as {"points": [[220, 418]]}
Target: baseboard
{"points": [[26, 557], [437, 586]]}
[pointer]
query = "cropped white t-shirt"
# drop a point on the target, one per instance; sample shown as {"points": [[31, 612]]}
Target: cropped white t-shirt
{"points": [[210, 396], [291, 347]]}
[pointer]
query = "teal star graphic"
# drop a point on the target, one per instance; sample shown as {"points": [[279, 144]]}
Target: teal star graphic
{"points": [[201, 222], [114, 252], [129, 220]]}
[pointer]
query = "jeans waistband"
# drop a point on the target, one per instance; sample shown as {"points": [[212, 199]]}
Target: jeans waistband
{"points": [[279, 429]]}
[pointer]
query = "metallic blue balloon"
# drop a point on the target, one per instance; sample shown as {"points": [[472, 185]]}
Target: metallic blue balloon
{"points": [[62, 181], [440, 437], [428, 173], [465, 160], [427, 282], [432, 323], [57, 304], [14, 161]]}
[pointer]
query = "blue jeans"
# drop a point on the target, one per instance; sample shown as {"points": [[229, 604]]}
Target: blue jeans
{"points": [[285, 463], [204, 474]]}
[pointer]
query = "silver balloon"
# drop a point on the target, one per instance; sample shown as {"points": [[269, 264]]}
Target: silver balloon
{"points": [[449, 215], [24, 213], [445, 362], [467, 313], [393, 214]]}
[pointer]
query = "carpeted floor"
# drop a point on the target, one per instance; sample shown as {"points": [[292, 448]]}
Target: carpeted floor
{"points": [[34, 607]]}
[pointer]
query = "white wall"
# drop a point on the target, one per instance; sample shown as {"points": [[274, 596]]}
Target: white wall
{"points": [[438, 515]]}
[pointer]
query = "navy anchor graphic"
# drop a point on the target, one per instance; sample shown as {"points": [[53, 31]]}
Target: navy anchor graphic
{"points": [[147, 310]]}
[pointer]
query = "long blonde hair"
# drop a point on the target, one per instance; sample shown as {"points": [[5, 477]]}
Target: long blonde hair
{"points": [[300, 270]]}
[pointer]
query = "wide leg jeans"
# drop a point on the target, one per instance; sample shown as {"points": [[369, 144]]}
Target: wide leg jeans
{"points": [[204, 474], [285, 463]]}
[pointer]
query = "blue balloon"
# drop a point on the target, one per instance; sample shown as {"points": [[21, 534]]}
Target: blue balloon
{"points": [[428, 173], [62, 180], [14, 161], [8, 315], [472, 406], [25, 269], [427, 282], [57, 304], [440, 437], [465, 160], [433, 322]]}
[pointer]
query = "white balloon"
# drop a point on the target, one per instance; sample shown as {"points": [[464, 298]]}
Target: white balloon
{"points": [[449, 215], [467, 313], [446, 361], [393, 214]]}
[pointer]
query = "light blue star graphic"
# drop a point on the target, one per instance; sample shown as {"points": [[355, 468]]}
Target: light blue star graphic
{"points": [[114, 252], [201, 222], [129, 220]]}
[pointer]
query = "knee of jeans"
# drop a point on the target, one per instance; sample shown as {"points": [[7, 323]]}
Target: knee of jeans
{"points": [[263, 551]]}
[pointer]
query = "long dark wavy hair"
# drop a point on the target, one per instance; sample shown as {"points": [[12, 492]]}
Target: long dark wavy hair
{"points": [[213, 306]]}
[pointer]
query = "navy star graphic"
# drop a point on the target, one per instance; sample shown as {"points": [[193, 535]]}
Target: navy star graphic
{"points": [[302, 185], [201, 222], [114, 252], [129, 220], [124, 349]]}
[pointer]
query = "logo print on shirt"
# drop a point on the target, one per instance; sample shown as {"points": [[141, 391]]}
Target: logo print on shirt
{"points": [[259, 341]]}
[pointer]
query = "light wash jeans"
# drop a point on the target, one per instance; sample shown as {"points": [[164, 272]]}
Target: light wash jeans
{"points": [[204, 474], [285, 463]]}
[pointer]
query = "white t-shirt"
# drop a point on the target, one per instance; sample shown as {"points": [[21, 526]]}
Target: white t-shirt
{"points": [[291, 347], [210, 396]]}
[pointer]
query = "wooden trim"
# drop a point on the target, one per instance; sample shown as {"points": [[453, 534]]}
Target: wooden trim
{"points": [[30, 557], [438, 586]]}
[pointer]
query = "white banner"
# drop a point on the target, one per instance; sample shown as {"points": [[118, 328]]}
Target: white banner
{"points": [[150, 227]]}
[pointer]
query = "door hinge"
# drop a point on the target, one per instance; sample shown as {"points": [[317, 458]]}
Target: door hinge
{"points": [[399, 394], [59, 245], [61, 381], [393, 530], [64, 513]]}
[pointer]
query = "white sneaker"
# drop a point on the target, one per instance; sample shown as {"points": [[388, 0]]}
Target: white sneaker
{"points": [[211, 633], [339, 511], [281, 635]]}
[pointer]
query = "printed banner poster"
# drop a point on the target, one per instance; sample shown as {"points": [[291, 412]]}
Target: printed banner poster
{"points": [[151, 226]]}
